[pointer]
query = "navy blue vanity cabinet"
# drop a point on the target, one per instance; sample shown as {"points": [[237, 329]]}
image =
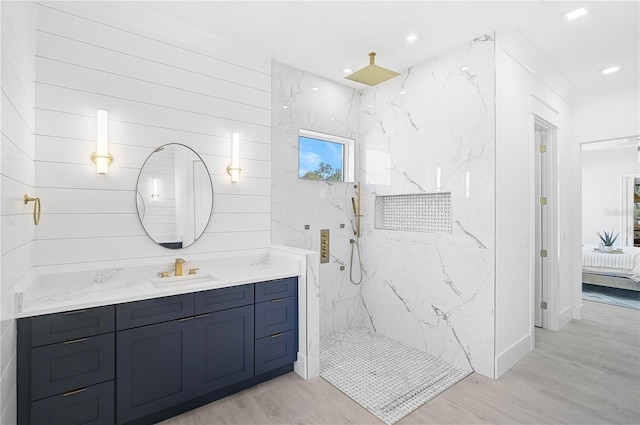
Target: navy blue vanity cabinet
{"points": [[155, 361], [224, 348], [276, 324], [66, 368]]}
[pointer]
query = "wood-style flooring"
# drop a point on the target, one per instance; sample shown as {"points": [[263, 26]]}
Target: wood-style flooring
{"points": [[588, 373]]}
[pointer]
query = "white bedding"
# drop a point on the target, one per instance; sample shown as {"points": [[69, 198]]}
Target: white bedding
{"points": [[626, 264]]}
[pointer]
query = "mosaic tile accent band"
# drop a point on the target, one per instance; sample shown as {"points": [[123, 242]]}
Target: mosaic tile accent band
{"points": [[423, 212], [386, 377]]}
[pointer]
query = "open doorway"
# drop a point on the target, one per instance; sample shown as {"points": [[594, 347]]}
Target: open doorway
{"points": [[610, 221]]}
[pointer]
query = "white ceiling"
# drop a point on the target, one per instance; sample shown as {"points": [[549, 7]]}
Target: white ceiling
{"points": [[324, 37]]}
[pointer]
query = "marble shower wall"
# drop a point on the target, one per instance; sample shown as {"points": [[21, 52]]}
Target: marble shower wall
{"points": [[332, 109], [434, 291]]}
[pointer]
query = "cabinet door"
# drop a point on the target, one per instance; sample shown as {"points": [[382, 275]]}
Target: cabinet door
{"points": [[154, 368], [87, 406], [224, 349], [70, 365], [276, 316]]}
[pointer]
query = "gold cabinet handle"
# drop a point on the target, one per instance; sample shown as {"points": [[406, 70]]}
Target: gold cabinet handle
{"points": [[75, 392], [276, 335], [36, 208], [74, 341]]}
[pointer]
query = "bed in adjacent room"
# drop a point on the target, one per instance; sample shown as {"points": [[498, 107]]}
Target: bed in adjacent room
{"points": [[618, 269]]}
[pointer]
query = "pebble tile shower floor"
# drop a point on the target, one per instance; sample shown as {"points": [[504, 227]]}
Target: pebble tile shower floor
{"points": [[386, 377]]}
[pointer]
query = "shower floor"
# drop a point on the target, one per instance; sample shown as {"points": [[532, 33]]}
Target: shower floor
{"points": [[386, 377]]}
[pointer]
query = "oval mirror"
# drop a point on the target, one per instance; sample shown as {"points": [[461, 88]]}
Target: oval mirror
{"points": [[174, 196]]}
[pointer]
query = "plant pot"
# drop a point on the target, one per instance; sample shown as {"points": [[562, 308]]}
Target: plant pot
{"points": [[607, 248]]}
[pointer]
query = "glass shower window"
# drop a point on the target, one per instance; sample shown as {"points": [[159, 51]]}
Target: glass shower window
{"points": [[325, 157]]}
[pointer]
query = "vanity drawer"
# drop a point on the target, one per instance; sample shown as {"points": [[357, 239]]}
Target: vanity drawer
{"points": [[281, 288], [275, 351], [70, 365], [275, 316], [52, 328], [157, 310], [91, 405], [223, 298]]}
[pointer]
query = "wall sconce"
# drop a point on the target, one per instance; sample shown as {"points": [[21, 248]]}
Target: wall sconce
{"points": [[234, 169], [155, 195], [102, 157]]}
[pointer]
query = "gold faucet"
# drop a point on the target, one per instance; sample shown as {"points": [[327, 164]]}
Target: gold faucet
{"points": [[179, 263]]}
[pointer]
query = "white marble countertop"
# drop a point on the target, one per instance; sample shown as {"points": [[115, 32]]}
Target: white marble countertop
{"points": [[54, 293]]}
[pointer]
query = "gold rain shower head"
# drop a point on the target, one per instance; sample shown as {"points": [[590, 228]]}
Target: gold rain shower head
{"points": [[372, 74]]}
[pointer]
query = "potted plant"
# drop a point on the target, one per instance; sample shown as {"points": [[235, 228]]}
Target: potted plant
{"points": [[608, 239]]}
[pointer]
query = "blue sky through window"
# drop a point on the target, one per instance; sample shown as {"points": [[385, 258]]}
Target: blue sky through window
{"points": [[314, 151]]}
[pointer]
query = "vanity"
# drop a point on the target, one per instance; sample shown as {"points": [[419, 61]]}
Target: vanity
{"points": [[144, 361]]}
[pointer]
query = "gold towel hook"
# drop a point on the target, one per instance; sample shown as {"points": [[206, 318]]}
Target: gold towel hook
{"points": [[36, 208]]}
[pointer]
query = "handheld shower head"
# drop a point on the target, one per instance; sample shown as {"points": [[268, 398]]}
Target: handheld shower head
{"points": [[353, 204]]}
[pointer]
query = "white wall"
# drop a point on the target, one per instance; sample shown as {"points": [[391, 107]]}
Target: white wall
{"points": [[527, 85], [16, 179], [606, 119], [332, 109], [157, 91], [434, 291], [601, 189]]}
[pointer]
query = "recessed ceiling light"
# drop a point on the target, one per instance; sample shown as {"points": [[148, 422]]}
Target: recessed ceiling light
{"points": [[576, 14], [610, 70], [347, 70], [284, 106], [411, 38], [370, 106], [464, 68], [315, 89]]}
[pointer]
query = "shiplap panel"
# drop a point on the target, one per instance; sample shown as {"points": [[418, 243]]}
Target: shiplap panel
{"points": [[86, 201], [17, 230], [221, 223], [77, 128], [15, 128], [162, 94], [15, 264], [84, 103], [95, 81], [74, 251], [82, 54], [8, 345], [13, 196], [61, 23], [17, 91], [223, 203], [16, 163], [84, 176], [69, 226]]}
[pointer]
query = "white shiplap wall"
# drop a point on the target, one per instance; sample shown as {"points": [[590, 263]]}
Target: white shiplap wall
{"points": [[16, 179], [156, 92]]}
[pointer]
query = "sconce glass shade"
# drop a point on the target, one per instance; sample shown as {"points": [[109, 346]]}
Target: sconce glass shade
{"points": [[155, 195], [234, 169], [102, 158]]}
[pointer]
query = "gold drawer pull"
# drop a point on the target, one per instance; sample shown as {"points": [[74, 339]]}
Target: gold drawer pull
{"points": [[276, 335], [74, 312], [203, 315], [277, 300], [185, 319], [75, 392], [75, 340]]}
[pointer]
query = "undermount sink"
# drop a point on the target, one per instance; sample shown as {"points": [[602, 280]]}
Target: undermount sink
{"points": [[177, 281]]}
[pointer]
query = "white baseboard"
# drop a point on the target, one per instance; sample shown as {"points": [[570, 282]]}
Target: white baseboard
{"points": [[300, 366], [565, 316], [512, 355], [577, 311]]}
